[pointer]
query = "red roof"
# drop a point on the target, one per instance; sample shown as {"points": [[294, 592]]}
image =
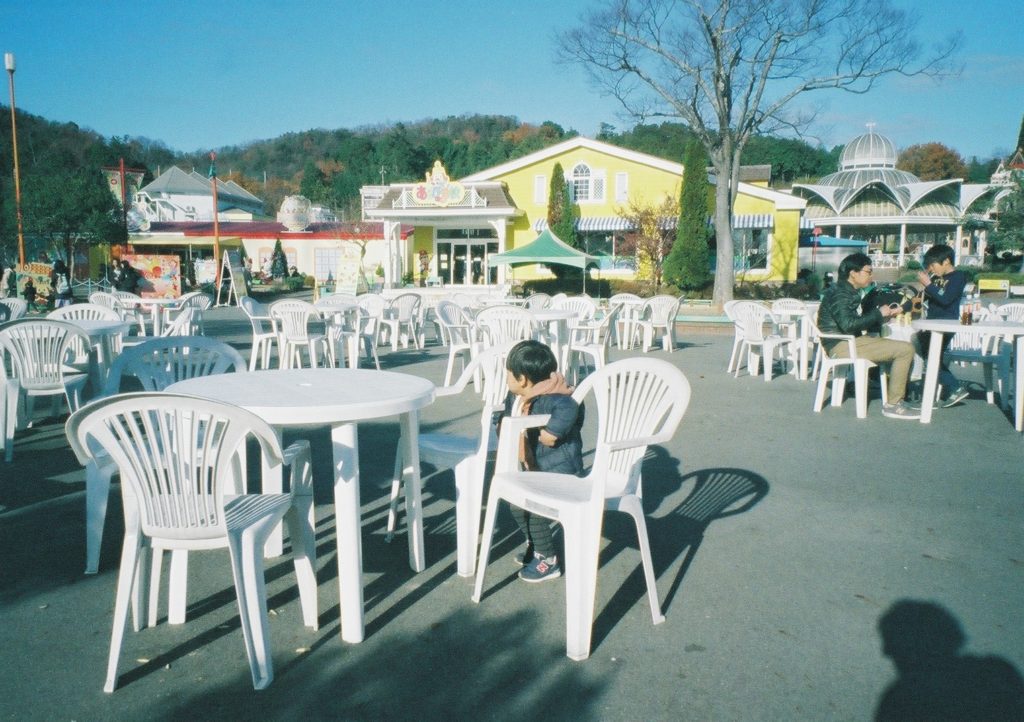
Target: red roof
{"points": [[368, 231]]}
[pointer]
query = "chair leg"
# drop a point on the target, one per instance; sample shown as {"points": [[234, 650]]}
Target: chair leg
{"points": [[177, 587], [819, 394], [97, 494], [469, 492], [396, 492], [582, 546], [125, 585], [860, 386], [632, 506], [247, 567], [485, 542]]}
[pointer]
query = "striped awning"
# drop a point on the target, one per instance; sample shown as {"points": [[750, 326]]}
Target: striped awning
{"points": [[615, 223]]}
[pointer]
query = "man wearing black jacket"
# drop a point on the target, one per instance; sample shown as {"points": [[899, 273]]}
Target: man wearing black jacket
{"points": [[840, 312]]}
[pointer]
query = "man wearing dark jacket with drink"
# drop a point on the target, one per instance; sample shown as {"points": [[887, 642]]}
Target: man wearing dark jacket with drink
{"points": [[840, 312]]}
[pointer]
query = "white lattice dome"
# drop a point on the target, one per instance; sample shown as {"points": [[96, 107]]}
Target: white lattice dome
{"points": [[868, 151]]}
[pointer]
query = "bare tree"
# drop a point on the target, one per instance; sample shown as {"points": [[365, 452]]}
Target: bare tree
{"points": [[733, 68], [652, 236]]}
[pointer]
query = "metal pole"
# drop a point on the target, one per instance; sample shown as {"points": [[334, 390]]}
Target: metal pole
{"points": [[9, 64], [216, 221]]}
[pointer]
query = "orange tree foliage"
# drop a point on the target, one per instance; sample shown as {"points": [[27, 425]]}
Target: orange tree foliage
{"points": [[932, 161]]}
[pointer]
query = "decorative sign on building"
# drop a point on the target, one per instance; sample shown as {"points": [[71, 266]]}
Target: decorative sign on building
{"points": [[294, 213], [438, 190]]}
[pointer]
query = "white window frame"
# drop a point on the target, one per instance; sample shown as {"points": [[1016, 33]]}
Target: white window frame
{"points": [[621, 187], [588, 185], [540, 189]]}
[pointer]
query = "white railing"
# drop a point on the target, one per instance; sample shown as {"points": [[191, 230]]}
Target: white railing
{"points": [[407, 199]]}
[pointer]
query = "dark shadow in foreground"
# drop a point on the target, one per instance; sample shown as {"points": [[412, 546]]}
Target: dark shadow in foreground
{"points": [[936, 681]]}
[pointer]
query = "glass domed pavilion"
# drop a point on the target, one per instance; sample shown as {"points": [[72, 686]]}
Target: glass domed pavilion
{"points": [[870, 199]]}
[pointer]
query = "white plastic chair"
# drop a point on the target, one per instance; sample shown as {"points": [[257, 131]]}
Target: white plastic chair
{"points": [[195, 300], [538, 301], [401, 320], [341, 316], [130, 309], [38, 350], [466, 455], [87, 312], [500, 324], [458, 330], [264, 333], [292, 319], [1013, 312], [737, 337], [178, 460], [992, 352], [371, 314], [588, 345], [750, 319], [17, 307], [639, 402], [828, 366], [658, 313], [584, 306], [156, 363]]}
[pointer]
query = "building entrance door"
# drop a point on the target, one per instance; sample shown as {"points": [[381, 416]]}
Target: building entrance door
{"points": [[464, 262]]}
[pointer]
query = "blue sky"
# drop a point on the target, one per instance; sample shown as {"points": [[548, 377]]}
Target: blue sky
{"points": [[201, 75]]}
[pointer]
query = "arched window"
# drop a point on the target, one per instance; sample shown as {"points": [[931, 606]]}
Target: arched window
{"points": [[581, 182]]}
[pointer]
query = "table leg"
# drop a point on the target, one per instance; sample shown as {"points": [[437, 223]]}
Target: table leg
{"points": [[348, 530], [804, 339], [1018, 372], [931, 376], [409, 424]]}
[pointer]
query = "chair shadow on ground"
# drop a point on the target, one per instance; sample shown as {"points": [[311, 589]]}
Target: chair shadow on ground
{"points": [[716, 493], [934, 680]]}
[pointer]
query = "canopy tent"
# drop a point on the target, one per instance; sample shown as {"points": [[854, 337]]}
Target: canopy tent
{"points": [[545, 248]]}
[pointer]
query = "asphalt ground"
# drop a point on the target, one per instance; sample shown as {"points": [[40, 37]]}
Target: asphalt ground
{"points": [[781, 538]]}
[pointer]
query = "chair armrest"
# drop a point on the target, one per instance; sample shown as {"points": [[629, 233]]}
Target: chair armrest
{"points": [[508, 440], [842, 337]]}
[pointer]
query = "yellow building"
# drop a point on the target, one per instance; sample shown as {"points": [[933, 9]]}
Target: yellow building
{"points": [[458, 225]]}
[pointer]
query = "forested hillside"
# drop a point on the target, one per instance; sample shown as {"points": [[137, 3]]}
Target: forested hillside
{"points": [[329, 166]]}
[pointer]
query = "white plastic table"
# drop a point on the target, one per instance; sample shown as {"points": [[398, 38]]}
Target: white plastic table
{"points": [[338, 398], [156, 308], [804, 315], [552, 326], [996, 328]]}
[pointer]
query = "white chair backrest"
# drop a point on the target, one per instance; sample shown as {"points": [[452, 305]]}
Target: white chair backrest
{"points": [[126, 297], [727, 308], [177, 455], [195, 299], [405, 306], [663, 309], [463, 299], [537, 301], [159, 362], [293, 317], [1012, 312], [5, 313], [505, 323], [102, 298], [39, 349], [258, 314], [636, 399], [788, 304], [181, 325], [374, 304], [18, 307], [750, 318], [584, 307], [455, 322], [84, 311]]}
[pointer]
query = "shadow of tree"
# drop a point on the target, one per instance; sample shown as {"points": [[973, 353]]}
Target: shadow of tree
{"points": [[935, 681]]}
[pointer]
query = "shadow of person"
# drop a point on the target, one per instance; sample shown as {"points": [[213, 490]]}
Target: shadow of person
{"points": [[935, 681]]}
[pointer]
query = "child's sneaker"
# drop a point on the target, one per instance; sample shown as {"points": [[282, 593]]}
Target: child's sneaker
{"points": [[541, 569], [525, 556]]}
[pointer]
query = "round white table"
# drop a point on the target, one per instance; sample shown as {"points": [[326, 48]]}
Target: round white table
{"points": [[338, 398], [803, 318], [996, 328]]}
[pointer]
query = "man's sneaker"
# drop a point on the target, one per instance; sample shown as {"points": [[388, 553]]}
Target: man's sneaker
{"points": [[956, 396], [525, 556], [541, 569], [900, 410]]}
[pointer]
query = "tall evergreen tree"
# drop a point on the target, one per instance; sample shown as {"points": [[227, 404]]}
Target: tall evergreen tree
{"points": [[688, 263], [1020, 135], [278, 261]]}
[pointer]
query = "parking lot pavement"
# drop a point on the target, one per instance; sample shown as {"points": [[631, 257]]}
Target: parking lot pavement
{"points": [[781, 539]]}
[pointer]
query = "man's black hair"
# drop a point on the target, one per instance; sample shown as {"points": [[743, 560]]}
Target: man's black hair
{"points": [[533, 360], [853, 262], [938, 254]]}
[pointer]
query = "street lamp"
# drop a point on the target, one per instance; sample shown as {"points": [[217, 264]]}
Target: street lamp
{"points": [[9, 64]]}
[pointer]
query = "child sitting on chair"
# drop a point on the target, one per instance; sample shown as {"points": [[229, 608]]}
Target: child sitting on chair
{"points": [[556, 447]]}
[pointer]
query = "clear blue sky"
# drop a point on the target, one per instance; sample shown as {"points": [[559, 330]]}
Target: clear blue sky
{"points": [[201, 75]]}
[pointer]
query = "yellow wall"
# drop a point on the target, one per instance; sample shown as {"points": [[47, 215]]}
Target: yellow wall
{"points": [[647, 185]]}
